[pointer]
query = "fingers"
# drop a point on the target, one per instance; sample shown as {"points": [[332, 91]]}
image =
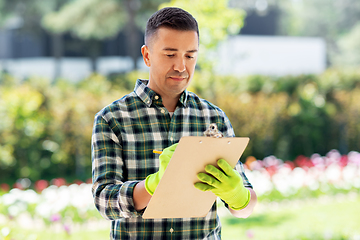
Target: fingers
{"points": [[166, 155], [220, 175], [208, 179], [224, 165], [203, 187], [170, 149], [217, 173]]}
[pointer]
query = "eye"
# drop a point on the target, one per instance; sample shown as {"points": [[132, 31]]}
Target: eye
{"points": [[190, 57], [170, 55]]}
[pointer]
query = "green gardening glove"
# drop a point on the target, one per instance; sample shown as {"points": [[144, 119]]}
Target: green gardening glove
{"points": [[226, 184], [153, 180]]}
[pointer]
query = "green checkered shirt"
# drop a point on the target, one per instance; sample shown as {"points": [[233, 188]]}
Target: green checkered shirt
{"points": [[124, 136]]}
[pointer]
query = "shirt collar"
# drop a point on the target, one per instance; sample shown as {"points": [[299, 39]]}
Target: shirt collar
{"points": [[147, 95]]}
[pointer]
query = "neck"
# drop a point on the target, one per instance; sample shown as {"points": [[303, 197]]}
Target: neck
{"points": [[170, 103]]}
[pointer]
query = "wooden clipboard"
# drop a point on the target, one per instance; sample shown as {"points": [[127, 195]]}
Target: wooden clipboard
{"points": [[176, 196]]}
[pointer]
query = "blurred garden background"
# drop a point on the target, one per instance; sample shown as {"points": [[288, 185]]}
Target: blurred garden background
{"points": [[286, 72]]}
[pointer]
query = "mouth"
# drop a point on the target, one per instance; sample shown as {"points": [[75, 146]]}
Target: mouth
{"points": [[176, 78]]}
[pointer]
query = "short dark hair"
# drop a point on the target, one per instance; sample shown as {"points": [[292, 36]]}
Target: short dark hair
{"points": [[173, 18]]}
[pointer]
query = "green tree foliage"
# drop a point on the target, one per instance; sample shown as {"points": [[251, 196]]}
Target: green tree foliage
{"points": [[45, 129], [349, 49], [28, 13], [216, 22], [96, 20], [330, 19], [88, 19], [91, 20], [292, 115], [25, 16], [327, 18]]}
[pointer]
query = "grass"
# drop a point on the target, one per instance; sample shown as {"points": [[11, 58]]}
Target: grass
{"points": [[334, 218], [48, 235]]}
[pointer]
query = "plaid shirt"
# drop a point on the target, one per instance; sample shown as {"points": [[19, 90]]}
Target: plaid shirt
{"points": [[124, 135]]}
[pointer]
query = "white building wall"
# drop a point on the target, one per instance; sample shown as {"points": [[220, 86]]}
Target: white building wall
{"points": [[245, 55], [239, 55]]}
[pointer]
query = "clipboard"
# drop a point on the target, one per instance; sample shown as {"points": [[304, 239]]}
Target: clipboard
{"points": [[176, 196]]}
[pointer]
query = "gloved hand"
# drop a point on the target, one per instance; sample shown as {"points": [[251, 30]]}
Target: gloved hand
{"points": [[153, 180], [226, 184]]}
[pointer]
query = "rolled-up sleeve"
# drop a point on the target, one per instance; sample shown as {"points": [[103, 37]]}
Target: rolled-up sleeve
{"points": [[113, 195], [240, 168]]}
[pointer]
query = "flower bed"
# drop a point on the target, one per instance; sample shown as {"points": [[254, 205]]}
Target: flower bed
{"points": [[64, 208], [275, 179]]}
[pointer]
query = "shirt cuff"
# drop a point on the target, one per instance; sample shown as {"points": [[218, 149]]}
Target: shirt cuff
{"points": [[126, 201]]}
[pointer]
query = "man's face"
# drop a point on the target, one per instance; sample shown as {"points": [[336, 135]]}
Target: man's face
{"points": [[171, 56]]}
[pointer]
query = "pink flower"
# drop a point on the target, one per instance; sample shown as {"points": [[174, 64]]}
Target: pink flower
{"points": [[55, 217], [250, 234], [354, 157], [67, 228]]}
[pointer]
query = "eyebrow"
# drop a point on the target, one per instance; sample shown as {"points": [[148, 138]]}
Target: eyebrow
{"points": [[175, 50]]}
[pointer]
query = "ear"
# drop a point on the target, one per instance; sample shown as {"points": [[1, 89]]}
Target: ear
{"points": [[146, 54]]}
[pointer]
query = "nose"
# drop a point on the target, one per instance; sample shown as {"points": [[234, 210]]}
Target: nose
{"points": [[179, 65]]}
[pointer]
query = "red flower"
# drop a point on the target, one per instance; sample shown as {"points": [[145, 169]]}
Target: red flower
{"points": [[58, 182], [289, 164], [271, 170], [40, 185], [18, 185], [303, 162], [249, 161], [78, 182], [5, 187], [344, 160]]}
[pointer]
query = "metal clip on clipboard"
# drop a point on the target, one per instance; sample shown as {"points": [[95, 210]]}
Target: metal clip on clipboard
{"points": [[213, 131]]}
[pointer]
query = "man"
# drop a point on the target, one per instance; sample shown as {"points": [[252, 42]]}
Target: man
{"points": [[155, 116]]}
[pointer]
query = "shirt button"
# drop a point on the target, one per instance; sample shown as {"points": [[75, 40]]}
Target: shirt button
{"points": [[162, 111], [156, 97], [171, 230]]}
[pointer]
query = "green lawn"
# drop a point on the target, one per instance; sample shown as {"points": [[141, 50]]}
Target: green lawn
{"points": [[334, 219], [47, 235]]}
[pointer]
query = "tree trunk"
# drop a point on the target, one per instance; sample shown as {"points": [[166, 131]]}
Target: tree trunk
{"points": [[5, 51], [57, 52], [94, 54], [57, 47], [132, 33]]}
